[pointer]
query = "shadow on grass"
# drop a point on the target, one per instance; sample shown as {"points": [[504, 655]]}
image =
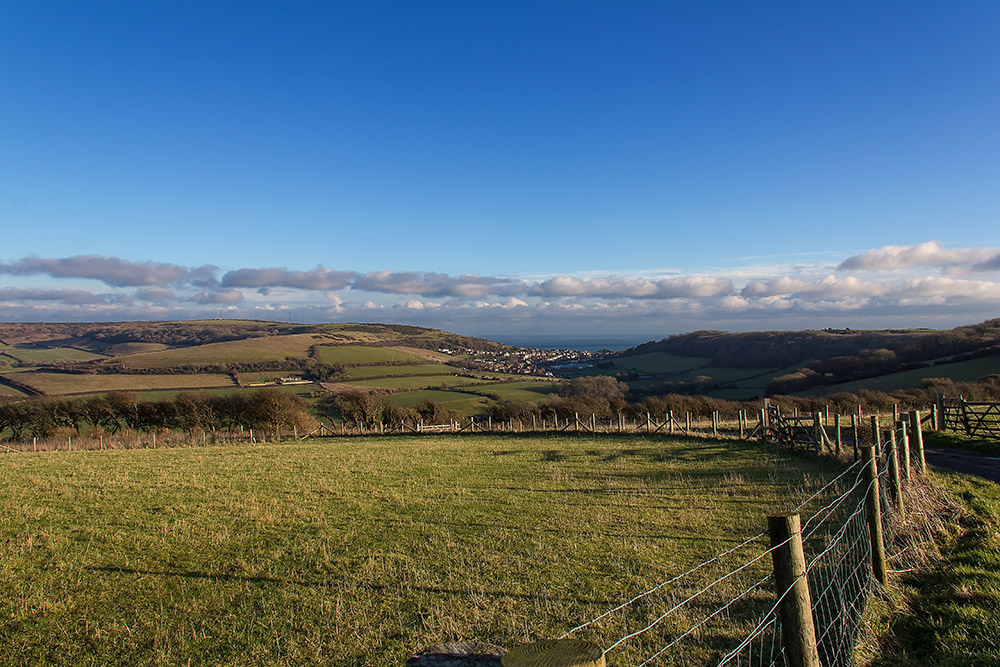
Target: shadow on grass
{"points": [[289, 581]]}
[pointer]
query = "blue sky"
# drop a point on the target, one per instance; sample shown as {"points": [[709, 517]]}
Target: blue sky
{"points": [[506, 169]]}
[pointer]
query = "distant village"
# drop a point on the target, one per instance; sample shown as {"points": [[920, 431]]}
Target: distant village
{"points": [[527, 360]]}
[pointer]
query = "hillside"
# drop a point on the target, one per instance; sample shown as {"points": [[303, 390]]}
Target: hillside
{"points": [[743, 365], [159, 359]]}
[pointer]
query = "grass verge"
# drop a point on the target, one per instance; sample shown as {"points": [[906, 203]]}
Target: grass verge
{"points": [[945, 612], [951, 440]]}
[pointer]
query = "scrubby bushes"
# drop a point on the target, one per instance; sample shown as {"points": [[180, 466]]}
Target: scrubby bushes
{"points": [[119, 412]]}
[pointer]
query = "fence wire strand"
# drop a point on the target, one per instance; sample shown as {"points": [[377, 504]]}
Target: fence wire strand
{"points": [[838, 572]]}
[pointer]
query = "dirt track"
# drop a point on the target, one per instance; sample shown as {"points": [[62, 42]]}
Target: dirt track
{"points": [[965, 461]]}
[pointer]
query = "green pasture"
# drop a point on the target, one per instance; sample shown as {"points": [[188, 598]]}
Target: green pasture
{"points": [[53, 384], [658, 362], [48, 355], [361, 354], [418, 382], [250, 350], [960, 371], [360, 372], [7, 390], [359, 551], [465, 403], [523, 391]]}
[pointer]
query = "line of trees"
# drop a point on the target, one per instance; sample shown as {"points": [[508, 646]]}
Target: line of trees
{"points": [[121, 412]]}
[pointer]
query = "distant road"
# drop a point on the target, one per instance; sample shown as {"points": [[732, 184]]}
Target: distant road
{"points": [[962, 460]]}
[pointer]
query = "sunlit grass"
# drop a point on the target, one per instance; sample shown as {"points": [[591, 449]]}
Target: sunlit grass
{"points": [[357, 551]]}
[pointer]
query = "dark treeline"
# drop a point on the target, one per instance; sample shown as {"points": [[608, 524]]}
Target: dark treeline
{"points": [[124, 412]]}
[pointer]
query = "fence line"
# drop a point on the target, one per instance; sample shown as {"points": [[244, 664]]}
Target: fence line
{"points": [[841, 536]]}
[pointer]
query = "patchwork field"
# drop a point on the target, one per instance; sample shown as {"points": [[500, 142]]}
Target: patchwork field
{"points": [[54, 384], [358, 551]]}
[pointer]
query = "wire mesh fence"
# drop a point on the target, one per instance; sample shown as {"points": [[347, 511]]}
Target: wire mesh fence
{"points": [[707, 612]]}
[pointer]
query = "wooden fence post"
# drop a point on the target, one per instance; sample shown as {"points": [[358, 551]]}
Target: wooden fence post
{"points": [[687, 422], [743, 423], [649, 425], [798, 634], [873, 516], [895, 487], [918, 440], [855, 422], [904, 441], [715, 423], [763, 424], [876, 436], [670, 418], [939, 407], [818, 430], [840, 440]]}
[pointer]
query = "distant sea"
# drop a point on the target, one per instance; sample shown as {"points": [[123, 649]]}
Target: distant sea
{"points": [[589, 344]]}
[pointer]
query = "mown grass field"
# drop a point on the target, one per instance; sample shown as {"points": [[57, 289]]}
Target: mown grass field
{"points": [[358, 551], [54, 384]]}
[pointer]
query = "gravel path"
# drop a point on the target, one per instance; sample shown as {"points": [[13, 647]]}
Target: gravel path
{"points": [[965, 461]]}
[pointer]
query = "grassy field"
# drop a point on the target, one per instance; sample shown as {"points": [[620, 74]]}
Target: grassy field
{"points": [[32, 355], [359, 551], [396, 371], [467, 404], [418, 382], [11, 391], [532, 391], [54, 384], [658, 362], [960, 371], [264, 348], [360, 354]]}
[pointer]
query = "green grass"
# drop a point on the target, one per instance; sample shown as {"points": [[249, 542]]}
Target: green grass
{"points": [[418, 382], [947, 614], [264, 348], [961, 441], [6, 390], [360, 354], [358, 551], [522, 392], [397, 371], [53, 384], [658, 362], [467, 404], [31, 355], [960, 371]]}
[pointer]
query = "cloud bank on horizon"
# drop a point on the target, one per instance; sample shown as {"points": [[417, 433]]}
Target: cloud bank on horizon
{"points": [[925, 284]]}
